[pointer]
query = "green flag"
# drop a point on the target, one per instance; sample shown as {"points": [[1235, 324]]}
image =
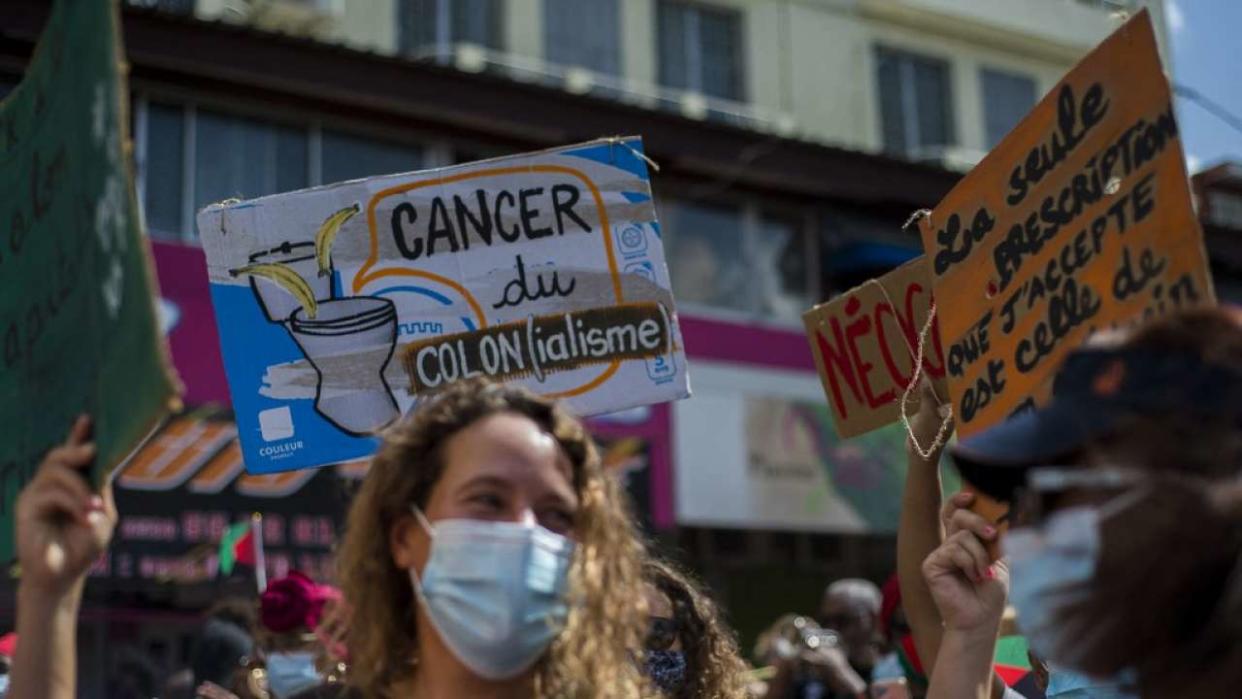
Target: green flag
{"points": [[77, 322], [234, 538]]}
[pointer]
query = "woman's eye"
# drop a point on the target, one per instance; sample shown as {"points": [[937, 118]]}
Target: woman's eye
{"points": [[559, 521], [488, 501]]}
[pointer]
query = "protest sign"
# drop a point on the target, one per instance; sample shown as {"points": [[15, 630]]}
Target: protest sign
{"points": [[77, 319], [865, 342], [1079, 220], [340, 307]]}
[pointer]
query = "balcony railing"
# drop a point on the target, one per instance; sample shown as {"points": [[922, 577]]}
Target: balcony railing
{"points": [[477, 59]]}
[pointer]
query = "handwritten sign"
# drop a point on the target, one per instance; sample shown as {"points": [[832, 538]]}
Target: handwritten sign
{"points": [[865, 343], [1079, 220], [77, 322], [341, 307]]}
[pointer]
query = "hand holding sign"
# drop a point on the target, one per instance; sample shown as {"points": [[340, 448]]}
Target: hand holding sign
{"points": [[62, 527], [1080, 220]]}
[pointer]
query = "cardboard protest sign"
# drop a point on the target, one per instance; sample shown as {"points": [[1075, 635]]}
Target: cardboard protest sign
{"points": [[340, 307], [1079, 220], [865, 342], [77, 320]]}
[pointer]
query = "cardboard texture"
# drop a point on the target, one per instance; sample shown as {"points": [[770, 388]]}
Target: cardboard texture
{"points": [[1080, 220], [341, 307], [865, 342], [77, 316]]}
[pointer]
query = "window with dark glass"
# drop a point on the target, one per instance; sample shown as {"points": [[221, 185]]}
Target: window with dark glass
{"points": [[705, 245], [700, 49], [349, 157], [163, 170], [428, 27], [246, 158], [1007, 97], [916, 112], [781, 272], [584, 33]]}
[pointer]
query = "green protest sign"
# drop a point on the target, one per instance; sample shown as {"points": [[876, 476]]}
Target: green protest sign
{"points": [[77, 322]]}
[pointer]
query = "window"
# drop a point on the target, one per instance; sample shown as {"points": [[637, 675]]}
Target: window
{"points": [[700, 49], [731, 258], [1224, 209], [915, 103], [1007, 97], [193, 157], [781, 270], [246, 158], [427, 26], [163, 188], [583, 33], [705, 246], [349, 157]]}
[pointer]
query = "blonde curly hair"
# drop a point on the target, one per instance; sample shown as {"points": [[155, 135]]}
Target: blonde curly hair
{"points": [[593, 656], [714, 665]]}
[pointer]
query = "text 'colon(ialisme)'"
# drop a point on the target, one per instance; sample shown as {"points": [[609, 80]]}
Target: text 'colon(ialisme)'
{"points": [[541, 345]]}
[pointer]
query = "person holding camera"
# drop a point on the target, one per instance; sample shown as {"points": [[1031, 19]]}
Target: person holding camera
{"points": [[833, 656]]}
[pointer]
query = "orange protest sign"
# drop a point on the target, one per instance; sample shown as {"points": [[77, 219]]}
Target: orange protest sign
{"points": [[1079, 220], [865, 342]]}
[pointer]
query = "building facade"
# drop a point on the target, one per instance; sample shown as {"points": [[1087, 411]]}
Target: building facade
{"points": [[794, 137], [935, 80]]}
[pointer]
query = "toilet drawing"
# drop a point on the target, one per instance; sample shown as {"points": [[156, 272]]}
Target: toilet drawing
{"points": [[349, 343], [277, 303]]}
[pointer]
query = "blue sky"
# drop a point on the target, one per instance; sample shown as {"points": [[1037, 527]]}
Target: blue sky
{"points": [[1207, 58]]}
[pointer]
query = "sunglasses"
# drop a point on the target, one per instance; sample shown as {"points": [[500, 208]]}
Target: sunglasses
{"points": [[1051, 488], [662, 633]]}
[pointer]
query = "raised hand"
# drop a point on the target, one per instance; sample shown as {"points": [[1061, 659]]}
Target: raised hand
{"points": [[61, 526], [968, 585]]}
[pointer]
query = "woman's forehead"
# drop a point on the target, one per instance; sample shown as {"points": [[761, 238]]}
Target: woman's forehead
{"points": [[506, 447]]}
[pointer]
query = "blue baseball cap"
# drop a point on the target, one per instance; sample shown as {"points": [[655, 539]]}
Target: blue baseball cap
{"points": [[1093, 394]]}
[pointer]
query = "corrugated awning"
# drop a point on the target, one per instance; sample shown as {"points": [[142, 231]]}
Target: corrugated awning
{"points": [[200, 453]]}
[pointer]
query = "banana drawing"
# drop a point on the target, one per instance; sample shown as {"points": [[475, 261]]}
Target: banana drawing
{"points": [[327, 235], [287, 278]]}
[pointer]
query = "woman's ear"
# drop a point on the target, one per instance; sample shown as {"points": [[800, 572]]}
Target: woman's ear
{"points": [[407, 542]]}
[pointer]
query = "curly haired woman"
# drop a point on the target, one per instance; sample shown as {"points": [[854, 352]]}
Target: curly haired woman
{"points": [[691, 654], [487, 555]]}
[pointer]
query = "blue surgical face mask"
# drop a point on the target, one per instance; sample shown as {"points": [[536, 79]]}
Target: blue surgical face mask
{"points": [[1065, 684], [290, 673], [494, 591], [667, 670], [1051, 569]]}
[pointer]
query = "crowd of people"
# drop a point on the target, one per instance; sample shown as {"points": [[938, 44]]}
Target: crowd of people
{"points": [[488, 554]]}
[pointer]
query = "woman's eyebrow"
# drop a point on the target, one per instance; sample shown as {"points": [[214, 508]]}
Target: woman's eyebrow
{"points": [[483, 481]]}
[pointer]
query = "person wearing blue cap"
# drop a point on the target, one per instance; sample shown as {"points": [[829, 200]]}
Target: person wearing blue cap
{"points": [[1125, 552]]}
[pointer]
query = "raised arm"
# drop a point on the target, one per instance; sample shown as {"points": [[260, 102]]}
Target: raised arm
{"points": [[61, 528], [969, 589], [919, 531]]}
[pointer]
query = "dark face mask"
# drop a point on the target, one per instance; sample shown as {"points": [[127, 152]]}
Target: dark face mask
{"points": [[667, 670]]}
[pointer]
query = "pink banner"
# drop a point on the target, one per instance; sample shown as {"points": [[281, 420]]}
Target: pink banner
{"points": [[188, 321]]}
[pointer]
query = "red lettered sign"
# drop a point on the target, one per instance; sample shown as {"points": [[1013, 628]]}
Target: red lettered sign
{"points": [[865, 342]]}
